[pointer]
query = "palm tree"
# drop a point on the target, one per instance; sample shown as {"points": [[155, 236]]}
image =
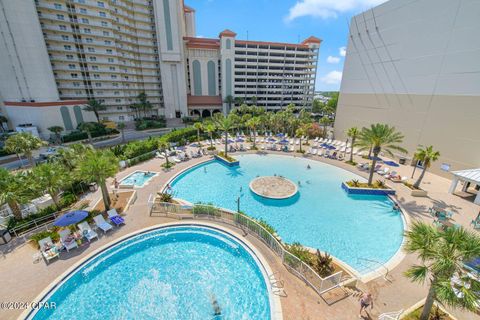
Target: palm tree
{"points": [[71, 156], [224, 124], [353, 134], [24, 142], [56, 130], [164, 146], [238, 101], [199, 127], [144, 104], [3, 120], [427, 155], [253, 124], [379, 137], [88, 127], [442, 253], [98, 166], [51, 177], [325, 122], [95, 106], [301, 132], [121, 126], [210, 128], [229, 100], [12, 191]]}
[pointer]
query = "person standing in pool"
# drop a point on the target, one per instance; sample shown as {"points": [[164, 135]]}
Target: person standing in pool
{"points": [[217, 312], [308, 166], [365, 301]]}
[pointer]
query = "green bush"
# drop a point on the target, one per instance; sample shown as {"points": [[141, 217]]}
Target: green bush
{"points": [[141, 158], [206, 209], [4, 152], [53, 234], [180, 136], [149, 124], [67, 199], [99, 130], [300, 252]]}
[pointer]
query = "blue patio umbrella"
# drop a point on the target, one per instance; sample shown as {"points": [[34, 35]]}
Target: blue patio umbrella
{"points": [[194, 145], [279, 134], [70, 218], [376, 158], [283, 141], [391, 163], [181, 148], [239, 140], [271, 139], [230, 141]]}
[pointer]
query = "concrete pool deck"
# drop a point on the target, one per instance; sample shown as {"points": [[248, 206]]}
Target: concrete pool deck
{"points": [[22, 280]]}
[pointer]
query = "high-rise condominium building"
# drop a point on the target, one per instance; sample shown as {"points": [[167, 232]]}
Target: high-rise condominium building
{"points": [[415, 65], [56, 54]]}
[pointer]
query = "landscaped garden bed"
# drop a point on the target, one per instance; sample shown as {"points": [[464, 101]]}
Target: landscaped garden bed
{"points": [[376, 188], [415, 192], [120, 201], [226, 159], [435, 314]]}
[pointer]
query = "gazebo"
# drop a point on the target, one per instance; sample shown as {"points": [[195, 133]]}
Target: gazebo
{"points": [[470, 175]]}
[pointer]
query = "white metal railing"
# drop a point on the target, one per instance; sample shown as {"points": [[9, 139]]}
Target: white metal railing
{"points": [[291, 262], [390, 315]]}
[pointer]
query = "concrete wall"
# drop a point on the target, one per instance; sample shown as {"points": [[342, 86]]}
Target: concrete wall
{"points": [[203, 56], [416, 65], [25, 70]]}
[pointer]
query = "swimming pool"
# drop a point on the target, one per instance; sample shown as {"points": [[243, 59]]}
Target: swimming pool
{"points": [[169, 273], [361, 230], [137, 178]]}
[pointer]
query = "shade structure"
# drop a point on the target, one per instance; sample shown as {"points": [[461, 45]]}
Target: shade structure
{"points": [[283, 141], [239, 140], [391, 163], [71, 217], [271, 139], [376, 158], [279, 134], [230, 141]]}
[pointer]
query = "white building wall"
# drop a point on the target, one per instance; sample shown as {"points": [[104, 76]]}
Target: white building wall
{"points": [[25, 70], [224, 55]]}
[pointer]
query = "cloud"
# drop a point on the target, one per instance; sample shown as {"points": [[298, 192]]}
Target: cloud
{"points": [[342, 51], [332, 59], [333, 77], [326, 9]]}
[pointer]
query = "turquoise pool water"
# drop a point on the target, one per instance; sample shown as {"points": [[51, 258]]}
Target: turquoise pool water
{"points": [[361, 230], [170, 273], [138, 178]]}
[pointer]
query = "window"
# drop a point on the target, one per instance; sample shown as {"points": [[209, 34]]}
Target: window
{"points": [[88, 40], [85, 20], [69, 57], [86, 30], [74, 75], [76, 84], [118, 100], [98, 84], [116, 93], [64, 37], [81, 1], [115, 84], [58, 6], [96, 76], [119, 108], [60, 17], [101, 4], [68, 47], [108, 42], [90, 49], [71, 66], [113, 76], [102, 14], [94, 67], [93, 58], [83, 10], [110, 60], [112, 68], [104, 24], [62, 27], [109, 51], [121, 118], [106, 33]]}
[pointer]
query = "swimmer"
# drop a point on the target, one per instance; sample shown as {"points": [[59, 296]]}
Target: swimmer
{"points": [[216, 308], [205, 169], [241, 189], [308, 181], [299, 184], [308, 166], [396, 207]]}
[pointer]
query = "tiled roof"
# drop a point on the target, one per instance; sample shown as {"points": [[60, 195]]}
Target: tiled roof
{"points": [[311, 39], [203, 43], [227, 33], [204, 100]]}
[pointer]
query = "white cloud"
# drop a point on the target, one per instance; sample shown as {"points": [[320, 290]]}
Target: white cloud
{"points": [[332, 59], [333, 77], [342, 51], [325, 9]]}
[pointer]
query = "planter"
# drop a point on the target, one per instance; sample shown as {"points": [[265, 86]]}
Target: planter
{"points": [[418, 193], [371, 191], [227, 162]]}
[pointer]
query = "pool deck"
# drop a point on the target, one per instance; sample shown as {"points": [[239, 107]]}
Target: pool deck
{"points": [[23, 280]]}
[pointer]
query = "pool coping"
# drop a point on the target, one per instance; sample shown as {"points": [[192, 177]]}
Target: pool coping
{"points": [[276, 312], [394, 261], [128, 186]]}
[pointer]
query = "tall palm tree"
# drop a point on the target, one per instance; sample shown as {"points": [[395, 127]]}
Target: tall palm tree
{"points": [[253, 124], [210, 128], [164, 146], [95, 106], [199, 127], [97, 166], [229, 100], [88, 128], [442, 253], [300, 133], [224, 124], [353, 134], [26, 143], [56, 130], [380, 137], [71, 156], [13, 191], [121, 126], [51, 177], [427, 155], [325, 122], [238, 101], [3, 120]]}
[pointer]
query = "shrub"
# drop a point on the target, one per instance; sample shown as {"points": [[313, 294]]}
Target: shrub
{"points": [[165, 197], [53, 234], [266, 225], [206, 209], [67, 199], [149, 124], [4, 152], [143, 157], [300, 252], [226, 157], [211, 148], [322, 264]]}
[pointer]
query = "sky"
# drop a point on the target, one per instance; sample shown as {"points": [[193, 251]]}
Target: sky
{"points": [[286, 21]]}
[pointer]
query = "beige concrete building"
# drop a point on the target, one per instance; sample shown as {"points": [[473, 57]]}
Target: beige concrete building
{"points": [[416, 66]]}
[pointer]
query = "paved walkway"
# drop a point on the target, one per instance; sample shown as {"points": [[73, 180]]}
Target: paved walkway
{"points": [[23, 280]]}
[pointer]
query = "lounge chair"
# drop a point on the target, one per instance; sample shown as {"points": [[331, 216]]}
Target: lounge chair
{"points": [[391, 174], [384, 171], [475, 224], [115, 217], [48, 249], [87, 231], [102, 224], [292, 148], [68, 240]]}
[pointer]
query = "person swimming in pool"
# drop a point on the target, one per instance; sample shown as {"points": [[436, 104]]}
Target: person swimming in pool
{"points": [[216, 307], [205, 169], [308, 166], [395, 207]]}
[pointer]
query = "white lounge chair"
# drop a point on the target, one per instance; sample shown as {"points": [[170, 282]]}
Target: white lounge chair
{"points": [[383, 171], [68, 240], [87, 231], [48, 249], [102, 224]]}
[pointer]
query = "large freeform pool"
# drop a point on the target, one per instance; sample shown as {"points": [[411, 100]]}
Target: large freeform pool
{"points": [[361, 230], [169, 273]]}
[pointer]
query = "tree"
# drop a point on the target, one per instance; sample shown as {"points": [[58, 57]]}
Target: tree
{"points": [[26, 143], [210, 128], [238, 101], [380, 137], [332, 104], [164, 146], [199, 127], [325, 122], [56, 130], [441, 254], [51, 177], [318, 106], [95, 106], [13, 191], [229, 100], [224, 124], [97, 166], [353, 134], [253, 124], [121, 126], [144, 104], [71, 156], [427, 155], [88, 127], [300, 133], [254, 100], [3, 120]]}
